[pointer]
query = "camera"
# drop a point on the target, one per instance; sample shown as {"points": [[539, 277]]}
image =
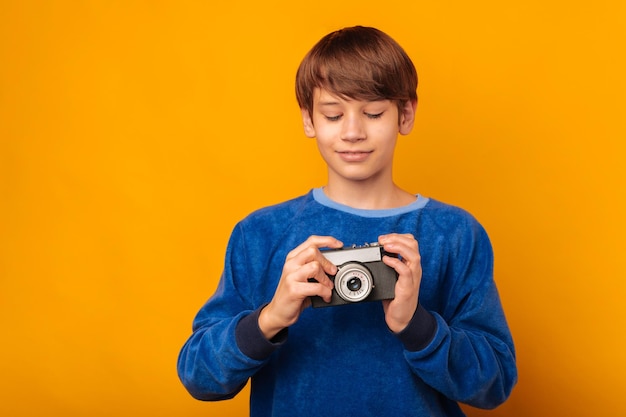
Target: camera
{"points": [[361, 275]]}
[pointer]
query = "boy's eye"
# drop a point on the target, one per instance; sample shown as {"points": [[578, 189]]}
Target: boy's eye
{"points": [[368, 115]]}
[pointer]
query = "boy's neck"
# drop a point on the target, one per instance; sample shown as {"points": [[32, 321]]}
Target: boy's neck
{"points": [[368, 197]]}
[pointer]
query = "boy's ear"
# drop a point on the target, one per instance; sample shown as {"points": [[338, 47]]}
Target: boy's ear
{"points": [[407, 117], [309, 129]]}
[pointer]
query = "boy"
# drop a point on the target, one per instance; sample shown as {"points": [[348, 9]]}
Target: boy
{"points": [[441, 339]]}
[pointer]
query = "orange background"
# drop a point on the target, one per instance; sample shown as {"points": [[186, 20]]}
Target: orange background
{"points": [[133, 135]]}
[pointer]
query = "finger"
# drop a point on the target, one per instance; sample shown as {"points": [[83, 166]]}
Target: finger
{"points": [[310, 289], [395, 238], [315, 256], [315, 242], [403, 245], [400, 266], [409, 277], [308, 252], [314, 272]]}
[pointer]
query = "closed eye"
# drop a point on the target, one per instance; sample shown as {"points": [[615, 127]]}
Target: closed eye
{"points": [[333, 118], [374, 116]]}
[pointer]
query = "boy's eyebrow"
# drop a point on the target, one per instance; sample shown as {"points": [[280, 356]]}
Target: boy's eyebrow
{"points": [[331, 102], [328, 103]]}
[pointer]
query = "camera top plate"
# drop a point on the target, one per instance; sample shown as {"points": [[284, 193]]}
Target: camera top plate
{"points": [[368, 253]]}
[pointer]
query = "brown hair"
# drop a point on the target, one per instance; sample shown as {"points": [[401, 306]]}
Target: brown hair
{"points": [[360, 63]]}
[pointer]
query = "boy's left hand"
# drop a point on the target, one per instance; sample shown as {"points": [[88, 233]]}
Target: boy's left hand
{"points": [[400, 310]]}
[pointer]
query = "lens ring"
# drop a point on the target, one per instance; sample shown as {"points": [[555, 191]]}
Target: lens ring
{"points": [[347, 273]]}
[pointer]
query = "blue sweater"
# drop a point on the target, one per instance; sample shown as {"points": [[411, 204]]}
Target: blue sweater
{"points": [[343, 360]]}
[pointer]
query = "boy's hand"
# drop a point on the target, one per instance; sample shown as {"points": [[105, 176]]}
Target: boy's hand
{"points": [[400, 310], [294, 289]]}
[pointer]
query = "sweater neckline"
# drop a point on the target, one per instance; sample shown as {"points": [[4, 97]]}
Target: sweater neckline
{"points": [[320, 197]]}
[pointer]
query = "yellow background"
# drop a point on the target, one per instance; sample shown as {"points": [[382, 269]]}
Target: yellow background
{"points": [[134, 134]]}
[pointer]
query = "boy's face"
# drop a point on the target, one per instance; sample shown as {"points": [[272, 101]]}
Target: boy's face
{"points": [[357, 139]]}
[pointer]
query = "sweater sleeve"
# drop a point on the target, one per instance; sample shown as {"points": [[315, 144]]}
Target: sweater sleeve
{"points": [[465, 349], [226, 347]]}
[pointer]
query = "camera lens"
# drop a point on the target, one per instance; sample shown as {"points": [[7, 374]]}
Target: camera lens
{"points": [[354, 284]]}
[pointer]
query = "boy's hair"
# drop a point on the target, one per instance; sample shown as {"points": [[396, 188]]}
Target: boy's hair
{"points": [[359, 63]]}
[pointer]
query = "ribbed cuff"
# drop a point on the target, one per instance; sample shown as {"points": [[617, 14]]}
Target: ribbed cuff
{"points": [[420, 331], [251, 340]]}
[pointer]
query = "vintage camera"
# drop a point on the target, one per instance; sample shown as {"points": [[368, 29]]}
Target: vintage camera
{"points": [[361, 275]]}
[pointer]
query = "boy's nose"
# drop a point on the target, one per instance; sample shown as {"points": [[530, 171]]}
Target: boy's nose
{"points": [[352, 129]]}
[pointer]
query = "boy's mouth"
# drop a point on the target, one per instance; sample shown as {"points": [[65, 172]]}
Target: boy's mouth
{"points": [[354, 156]]}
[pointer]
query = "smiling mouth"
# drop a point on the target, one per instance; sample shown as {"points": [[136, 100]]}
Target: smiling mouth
{"points": [[354, 156]]}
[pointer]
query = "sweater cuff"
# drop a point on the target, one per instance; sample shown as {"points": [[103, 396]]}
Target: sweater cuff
{"points": [[252, 342], [420, 331]]}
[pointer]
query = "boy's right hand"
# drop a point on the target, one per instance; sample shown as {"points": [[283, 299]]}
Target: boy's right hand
{"points": [[294, 289]]}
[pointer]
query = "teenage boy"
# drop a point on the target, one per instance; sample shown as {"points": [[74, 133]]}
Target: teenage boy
{"points": [[443, 337]]}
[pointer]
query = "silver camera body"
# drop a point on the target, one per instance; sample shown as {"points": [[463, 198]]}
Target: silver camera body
{"points": [[361, 275]]}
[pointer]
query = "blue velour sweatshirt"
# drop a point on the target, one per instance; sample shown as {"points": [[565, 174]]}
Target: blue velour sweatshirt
{"points": [[343, 360]]}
